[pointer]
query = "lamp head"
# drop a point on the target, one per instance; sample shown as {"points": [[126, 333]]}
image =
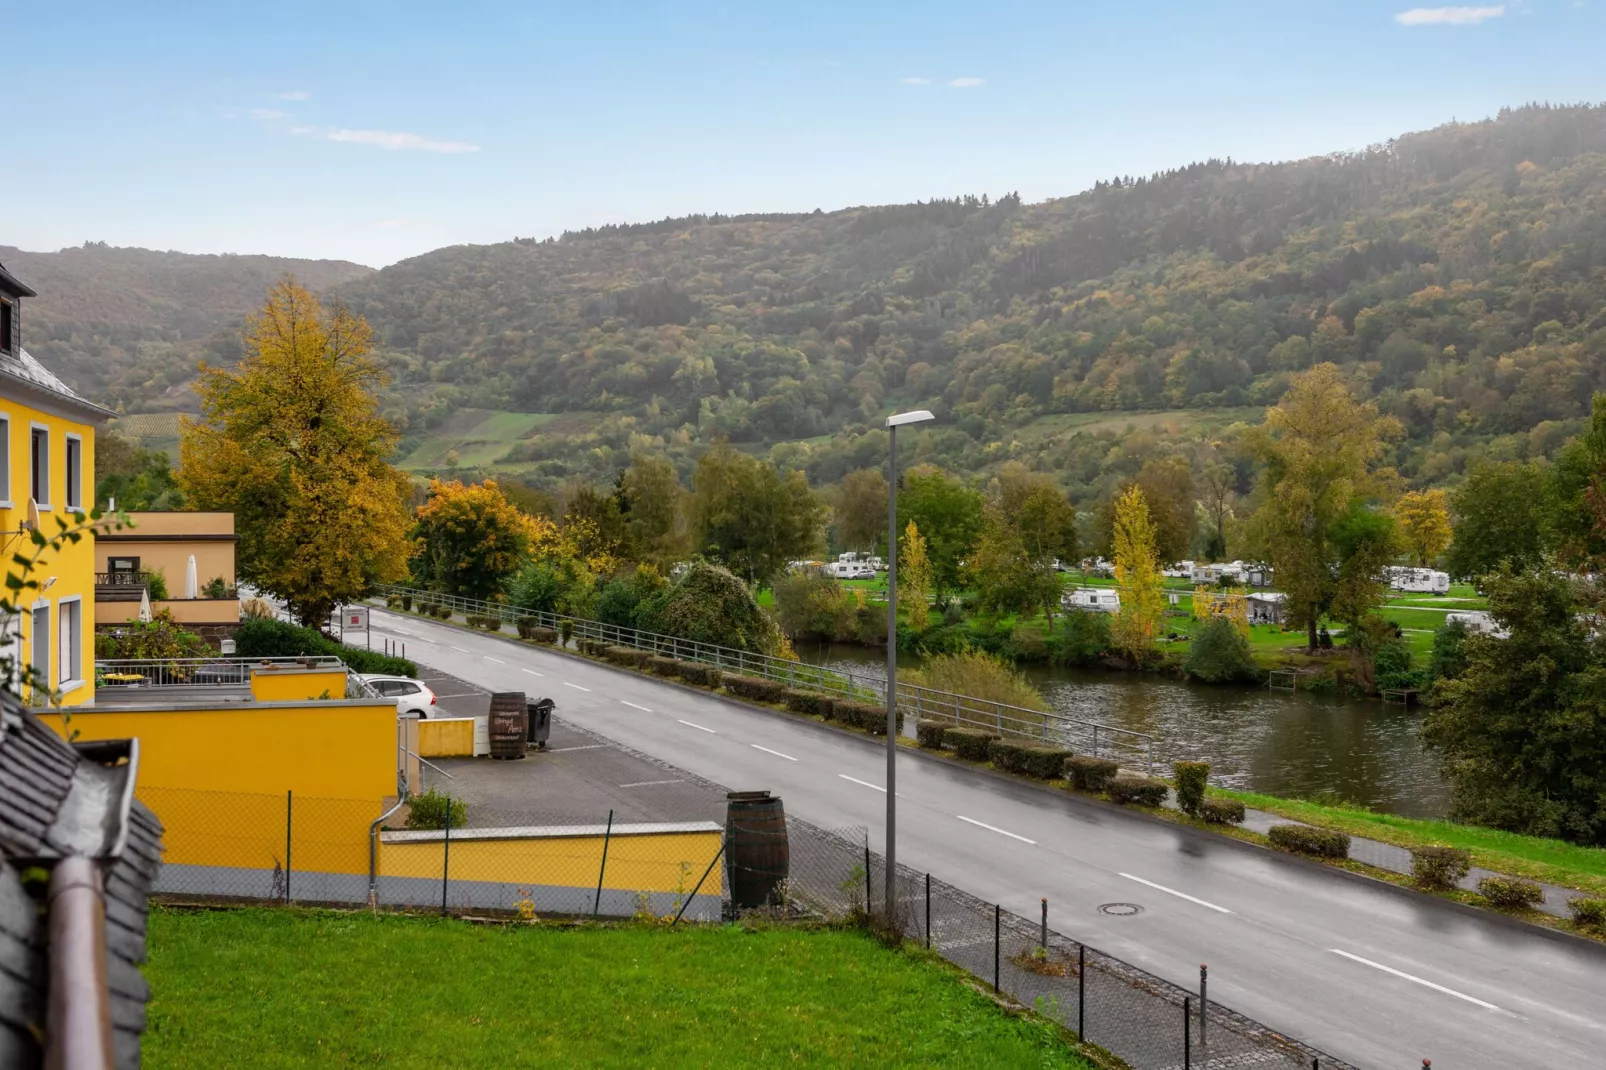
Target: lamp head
{"points": [[918, 416]]}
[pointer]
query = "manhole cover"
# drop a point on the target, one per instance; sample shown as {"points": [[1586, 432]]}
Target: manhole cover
{"points": [[1121, 910]]}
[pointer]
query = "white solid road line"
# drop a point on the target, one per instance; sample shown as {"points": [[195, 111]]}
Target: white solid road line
{"points": [[532, 672], [1179, 895], [865, 783], [577, 687], [651, 783], [993, 828], [488, 657], [699, 727], [587, 746], [1418, 980], [633, 706], [777, 753]]}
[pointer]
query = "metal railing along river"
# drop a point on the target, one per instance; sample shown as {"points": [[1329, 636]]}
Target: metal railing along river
{"points": [[1084, 737]]}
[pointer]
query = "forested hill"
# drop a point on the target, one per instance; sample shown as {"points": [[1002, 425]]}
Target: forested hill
{"points": [[129, 324], [1456, 274]]}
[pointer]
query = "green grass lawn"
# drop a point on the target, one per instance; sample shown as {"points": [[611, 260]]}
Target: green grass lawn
{"points": [[272, 988], [1506, 852]]}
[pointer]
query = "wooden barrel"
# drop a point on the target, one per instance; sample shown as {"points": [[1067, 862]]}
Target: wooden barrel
{"points": [[509, 724], [755, 843]]}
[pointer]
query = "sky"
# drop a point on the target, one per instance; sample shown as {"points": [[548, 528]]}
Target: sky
{"points": [[375, 130]]}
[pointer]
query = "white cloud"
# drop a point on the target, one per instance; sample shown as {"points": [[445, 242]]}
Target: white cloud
{"points": [[269, 115], [966, 83], [386, 139], [295, 94], [914, 80], [1449, 16]]}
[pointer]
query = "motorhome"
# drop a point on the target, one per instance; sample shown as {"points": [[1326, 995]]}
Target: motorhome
{"points": [[850, 570], [1478, 622], [1416, 580], [1267, 607], [1096, 599], [1182, 570]]}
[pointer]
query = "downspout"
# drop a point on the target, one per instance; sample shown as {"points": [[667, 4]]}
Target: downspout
{"points": [[78, 1024], [373, 851]]}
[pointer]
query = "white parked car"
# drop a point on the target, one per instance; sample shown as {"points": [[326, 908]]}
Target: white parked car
{"points": [[413, 697]]}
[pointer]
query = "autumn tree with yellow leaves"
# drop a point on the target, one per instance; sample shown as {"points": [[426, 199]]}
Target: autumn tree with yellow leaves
{"points": [[1423, 521], [291, 442], [468, 540], [1137, 575]]}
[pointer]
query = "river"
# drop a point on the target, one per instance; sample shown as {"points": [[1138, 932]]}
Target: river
{"points": [[1273, 742]]}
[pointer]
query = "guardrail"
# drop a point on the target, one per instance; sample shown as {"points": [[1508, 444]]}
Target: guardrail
{"points": [[205, 674], [122, 579], [1081, 736]]}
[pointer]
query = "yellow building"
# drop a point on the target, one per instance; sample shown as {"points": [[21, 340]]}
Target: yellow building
{"points": [[47, 450], [163, 544]]}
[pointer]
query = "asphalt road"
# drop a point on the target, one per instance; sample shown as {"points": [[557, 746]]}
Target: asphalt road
{"points": [[1372, 976]]}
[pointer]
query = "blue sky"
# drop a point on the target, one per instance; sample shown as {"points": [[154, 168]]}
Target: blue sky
{"points": [[373, 131]]}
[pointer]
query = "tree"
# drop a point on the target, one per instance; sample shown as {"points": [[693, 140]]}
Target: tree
{"points": [[1320, 448], [1219, 653], [1423, 522], [291, 441], [594, 525], [1218, 489], [949, 515], [914, 578], [750, 517], [812, 605], [708, 604], [1167, 485], [1499, 516], [656, 506], [469, 540], [860, 510], [1521, 728], [1577, 496], [135, 478], [999, 568], [1137, 574]]}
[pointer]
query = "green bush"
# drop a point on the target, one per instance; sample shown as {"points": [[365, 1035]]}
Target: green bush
{"points": [[981, 676], [407, 603], [929, 733], [1439, 867], [870, 625], [825, 705], [1191, 778], [869, 716], [1309, 840], [811, 605], [1219, 654], [1126, 788], [487, 621], [392, 601], [703, 675], [1082, 639], [708, 604], [663, 666], [566, 631], [629, 657], [265, 638], [530, 628], [1587, 912], [1003, 754], [970, 744], [1042, 763], [755, 689], [1088, 773], [800, 701], [156, 585], [1222, 811], [160, 637], [1510, 893], [431, 809]]}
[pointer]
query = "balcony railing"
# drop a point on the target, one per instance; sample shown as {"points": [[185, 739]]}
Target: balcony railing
{"points": [[210, 674], [122, 579]]}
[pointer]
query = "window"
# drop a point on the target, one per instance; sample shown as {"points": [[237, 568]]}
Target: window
{"points": [[41, 643], [41, 467], [75, 472], [7, 318], [5, 460], [69, 644]]}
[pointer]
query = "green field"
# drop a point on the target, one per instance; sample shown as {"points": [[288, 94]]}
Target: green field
{"points": [[149, 430], [270, 989], [481, 438]]}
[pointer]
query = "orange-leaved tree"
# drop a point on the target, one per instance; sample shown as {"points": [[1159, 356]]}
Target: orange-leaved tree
{"points": [[469, 540], [291, 442]]}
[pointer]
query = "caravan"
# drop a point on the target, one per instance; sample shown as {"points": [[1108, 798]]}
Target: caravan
{"points": [[1416, 580], [1094, 599]]}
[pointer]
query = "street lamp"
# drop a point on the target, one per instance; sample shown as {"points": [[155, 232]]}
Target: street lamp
{"points": [[901, 419]]}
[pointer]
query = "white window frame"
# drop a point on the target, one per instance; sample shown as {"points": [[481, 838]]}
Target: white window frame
{"points": [[73, 492], [34, 636], [68, 675], [32, 490], [5, 460]]}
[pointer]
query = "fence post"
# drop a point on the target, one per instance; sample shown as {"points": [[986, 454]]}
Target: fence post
{"points": [[998, 933], [699, 886], [928, 910], [867, 899], [1204, 976], [446, 856], [607, 835], [1187, 1034], [289, 813], [1081, 991]]}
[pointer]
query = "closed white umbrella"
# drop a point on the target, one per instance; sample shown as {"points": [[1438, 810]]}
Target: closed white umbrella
{"points": [[192, 583], [145, 606]]}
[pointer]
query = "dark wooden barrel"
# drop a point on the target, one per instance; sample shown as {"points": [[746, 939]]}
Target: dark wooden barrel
{"points": [[755, 842], [509, 724]]}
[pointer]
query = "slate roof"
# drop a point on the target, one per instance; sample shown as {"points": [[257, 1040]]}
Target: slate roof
{"points": [[59, 799], [24, 366]]}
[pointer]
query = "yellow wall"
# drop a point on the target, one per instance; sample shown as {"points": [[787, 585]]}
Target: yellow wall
{"points": [[446, 737], [183, 610], [244, 830], [296, 685], [338, 749], [158, 540], [73, 566], [654, 862]]}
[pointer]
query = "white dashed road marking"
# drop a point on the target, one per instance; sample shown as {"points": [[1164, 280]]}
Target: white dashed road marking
{"points": [[633, 706], [1410, 977], [864, 783], [532, 672], [699, 727], [651, 783], [777, 753], [1179, 895], [994, 828], [488, 657], [577, 687]]}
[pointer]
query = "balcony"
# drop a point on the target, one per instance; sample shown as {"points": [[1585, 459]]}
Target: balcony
{"points": [[148, 681], [121, 586]]}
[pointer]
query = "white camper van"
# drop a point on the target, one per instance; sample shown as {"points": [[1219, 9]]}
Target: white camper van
{"points": [[1096, 599], [1416, 580]]}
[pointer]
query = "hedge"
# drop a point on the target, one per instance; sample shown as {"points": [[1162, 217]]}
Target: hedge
{"points": [[1222, 811], [703, 675], [1002, 752], [265, 638], [968, 743], [1127, 788], [486, 621], [1043, 763], [1510, 893], [1191, 778], [755, 688], [627, 656], [800, 701], [1088, 773], [870, 716], [530, 628], [929, 733], [1588, 912], [1309, 840], [1439, 867]]}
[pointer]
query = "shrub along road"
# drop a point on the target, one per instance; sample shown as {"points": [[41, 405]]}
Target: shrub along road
{"points": [[1374, 975]]}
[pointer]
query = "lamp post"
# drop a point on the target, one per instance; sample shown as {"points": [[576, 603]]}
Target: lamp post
{"points": [[894, 422]]}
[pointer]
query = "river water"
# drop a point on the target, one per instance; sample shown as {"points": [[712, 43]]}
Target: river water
{"points": [[1274, 742]]}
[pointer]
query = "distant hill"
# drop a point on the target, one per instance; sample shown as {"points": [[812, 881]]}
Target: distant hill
{"points": [[129, 324], [1458, 275]]}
